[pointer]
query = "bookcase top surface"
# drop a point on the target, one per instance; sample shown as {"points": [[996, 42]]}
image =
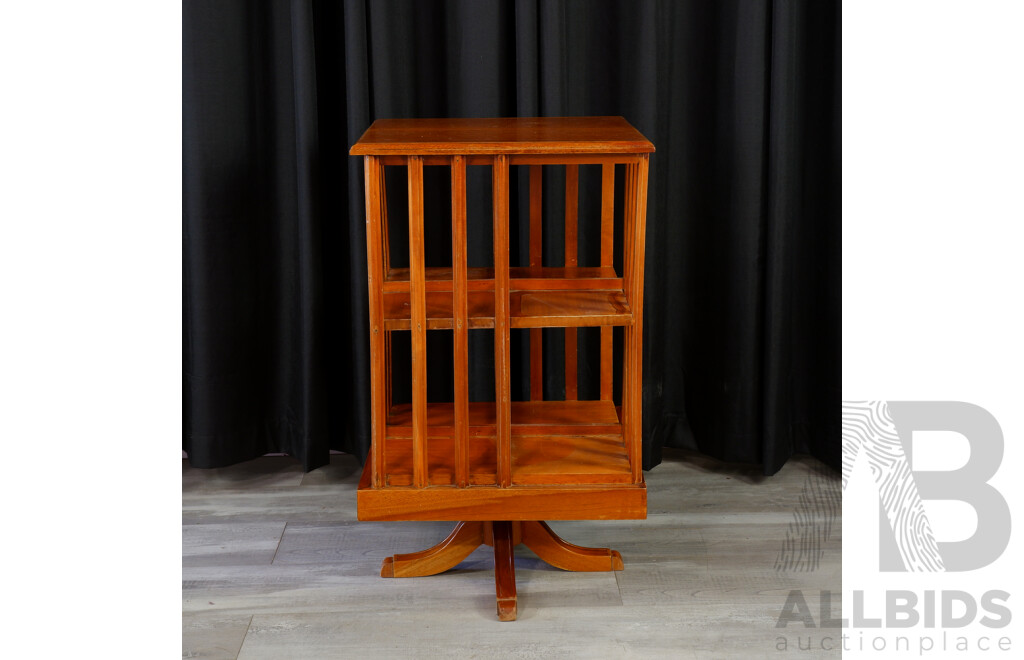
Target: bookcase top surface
{"points": [[507, 135]]}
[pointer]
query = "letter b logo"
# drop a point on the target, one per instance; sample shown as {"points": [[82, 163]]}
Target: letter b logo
{"points": [[883, 431]]}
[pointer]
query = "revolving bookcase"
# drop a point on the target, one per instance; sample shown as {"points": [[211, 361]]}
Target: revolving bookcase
{"points": [[502, 468]]}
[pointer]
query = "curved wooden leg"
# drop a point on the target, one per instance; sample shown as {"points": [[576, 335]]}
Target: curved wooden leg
{"points": [[547, 545], [504, 570], [464, 539]]}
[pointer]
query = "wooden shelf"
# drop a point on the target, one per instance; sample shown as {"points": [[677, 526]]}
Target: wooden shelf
{"points": [[536, 460], [520, 279], [539, 297], [527, 309], [528, 418], [553, 442]]}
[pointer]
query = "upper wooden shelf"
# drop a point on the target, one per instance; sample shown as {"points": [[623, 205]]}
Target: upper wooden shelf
{"points": [[509, 135]]}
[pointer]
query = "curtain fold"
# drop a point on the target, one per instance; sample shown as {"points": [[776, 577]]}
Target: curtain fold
{"points": [[741, 99]]}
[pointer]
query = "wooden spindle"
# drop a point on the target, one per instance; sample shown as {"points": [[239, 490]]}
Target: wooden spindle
{"points": [[536, 261], [572, 196], [418, 318], [503, 422], [460, 318], [607, 261]]}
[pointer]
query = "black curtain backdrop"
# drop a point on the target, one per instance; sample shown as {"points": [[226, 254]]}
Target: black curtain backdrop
{"points": [[741, 99]]}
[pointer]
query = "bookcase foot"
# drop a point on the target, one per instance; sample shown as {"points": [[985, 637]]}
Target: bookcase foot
{"points": [[550, 547], [504, 536], [464, 539]]}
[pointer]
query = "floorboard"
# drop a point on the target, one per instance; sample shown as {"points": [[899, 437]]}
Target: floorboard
{"points": [[275, 565]]}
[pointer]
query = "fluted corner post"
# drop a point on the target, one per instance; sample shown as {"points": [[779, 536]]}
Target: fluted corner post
{"points": [[636, 221], [374, 177]]}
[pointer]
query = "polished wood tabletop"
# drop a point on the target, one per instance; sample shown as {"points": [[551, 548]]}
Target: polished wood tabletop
{"points": [[507, 135]]}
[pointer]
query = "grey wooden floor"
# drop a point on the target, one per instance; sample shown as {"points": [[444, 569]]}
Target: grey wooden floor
{"points": [[275, 565]]}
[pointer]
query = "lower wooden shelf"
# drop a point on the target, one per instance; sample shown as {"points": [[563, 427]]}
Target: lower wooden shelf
{"points": [[553, 442], [568, 502], [560, 449]]}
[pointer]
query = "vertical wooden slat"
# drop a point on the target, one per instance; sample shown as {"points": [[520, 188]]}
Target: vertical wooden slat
{"points": [[385, 222], [536, 260], [607, 260], [375, 276], [572, 187], [388, 397], [640, 236], [460, 315], [503, 430], [629, 193], [386, 257], [418, 317], [629, 430]]}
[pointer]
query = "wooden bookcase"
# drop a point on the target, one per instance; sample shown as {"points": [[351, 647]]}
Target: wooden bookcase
{"points": [[502, 468]]}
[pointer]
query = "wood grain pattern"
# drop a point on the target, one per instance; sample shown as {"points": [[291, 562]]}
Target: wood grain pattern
{"points": [[502, 358], [460, 321], [550, 547], [524, 309], [513, 502], [536, 262], [504, 571], [630, 430], [533, 309], [517, 535], [607, 261], [572, 195], [637, 329], [520, 279], [418, 322], [523, 135], [537, 458], [528, 418], [458, 545], [386, 258], [479, 159], [373, 173]]}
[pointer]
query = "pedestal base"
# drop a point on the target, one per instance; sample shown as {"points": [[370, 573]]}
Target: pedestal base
{"points": [[504, 536]]}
